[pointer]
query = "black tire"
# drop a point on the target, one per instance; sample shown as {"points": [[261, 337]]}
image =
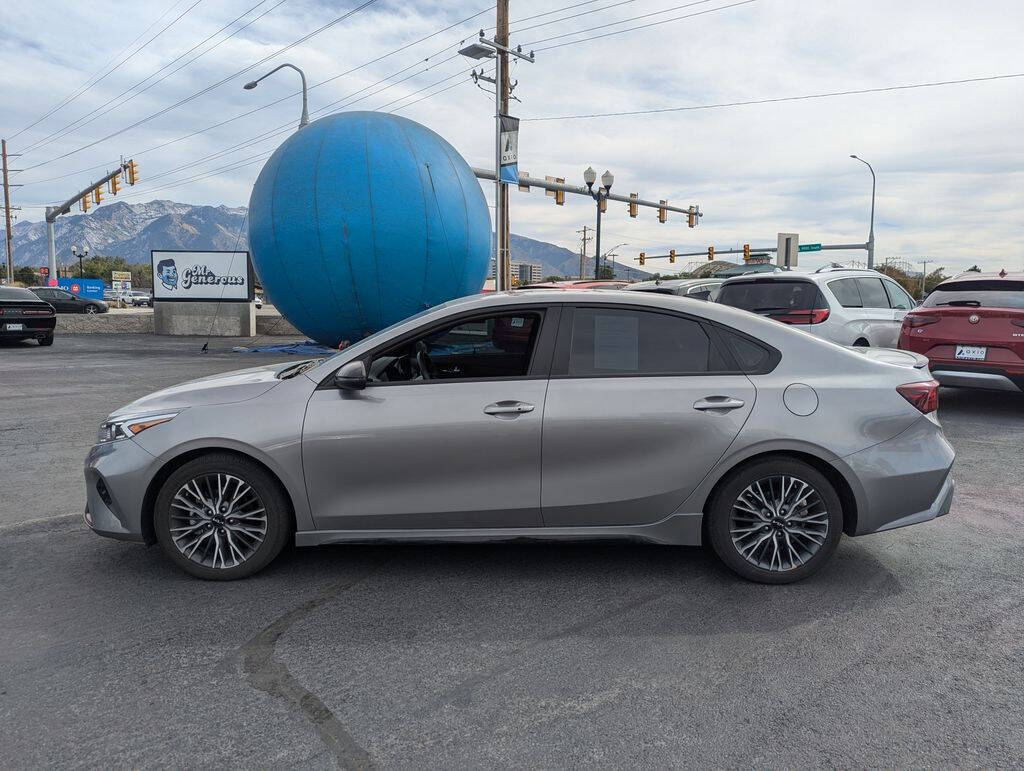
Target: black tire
{"points": [[92, 309], [48, 340], [861, 343], [720, 514], [278, 517]]}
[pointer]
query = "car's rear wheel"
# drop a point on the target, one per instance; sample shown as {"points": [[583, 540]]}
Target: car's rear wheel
{"points": [[775, 521], [92, 309], [47, 340], [221, 517]]}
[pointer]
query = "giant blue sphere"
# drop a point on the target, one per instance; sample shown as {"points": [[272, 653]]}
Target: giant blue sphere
{"points": [[361, 219]]}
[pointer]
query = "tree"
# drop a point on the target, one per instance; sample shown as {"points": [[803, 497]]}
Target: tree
{"points": [[25, 275], [553, 278], [100, 266], [974, 269], [606, 272]]}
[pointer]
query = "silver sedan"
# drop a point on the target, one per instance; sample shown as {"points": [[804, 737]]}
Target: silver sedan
{"points": [[536, 415]]}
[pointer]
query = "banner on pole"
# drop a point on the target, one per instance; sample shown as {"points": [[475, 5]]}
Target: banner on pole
{"points": [[509, 150]]}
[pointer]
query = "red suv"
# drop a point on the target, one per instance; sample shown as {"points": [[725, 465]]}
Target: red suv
{"points": [[971, 328]]}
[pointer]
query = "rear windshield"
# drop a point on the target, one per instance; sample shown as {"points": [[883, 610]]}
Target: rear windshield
{"points": [[14, 293], [993, 293], [772, 296]]}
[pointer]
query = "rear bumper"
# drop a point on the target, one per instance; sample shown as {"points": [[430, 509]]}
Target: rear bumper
{"points": [[989, 378], [31, 327], [903, 481]]}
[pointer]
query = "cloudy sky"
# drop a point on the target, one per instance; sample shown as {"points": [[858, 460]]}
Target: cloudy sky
{"points": [[949, 159]]}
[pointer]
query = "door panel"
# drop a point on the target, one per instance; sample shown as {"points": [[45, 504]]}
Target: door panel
{"points": [[628, 451], [425, 455]]}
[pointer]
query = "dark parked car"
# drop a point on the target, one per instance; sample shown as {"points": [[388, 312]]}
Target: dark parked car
{"points": [[23, 316], [65, 302]]}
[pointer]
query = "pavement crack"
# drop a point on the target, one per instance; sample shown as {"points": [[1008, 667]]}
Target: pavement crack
{"points": [[265, 672]]}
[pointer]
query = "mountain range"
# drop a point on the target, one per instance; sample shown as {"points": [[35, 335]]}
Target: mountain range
{"points": [[131, 230]]}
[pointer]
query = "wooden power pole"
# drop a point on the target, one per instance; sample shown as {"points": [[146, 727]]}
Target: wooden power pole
{"points": [[501, 212], [7, 213]]}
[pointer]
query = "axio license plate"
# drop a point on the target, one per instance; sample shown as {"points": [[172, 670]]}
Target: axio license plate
{"points": [[971, 352], [14, 327]]}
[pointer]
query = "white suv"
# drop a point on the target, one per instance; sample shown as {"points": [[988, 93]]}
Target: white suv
{"points": [[846, 306]]}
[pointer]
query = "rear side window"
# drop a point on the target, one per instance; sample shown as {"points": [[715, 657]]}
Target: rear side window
{"points": [[846, 291], [872, 293], [992, 293], [612, 341], [752, 357], [772, 296], [897, 297]]}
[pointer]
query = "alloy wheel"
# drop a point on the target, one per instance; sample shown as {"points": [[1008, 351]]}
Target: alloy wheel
{"points": [[90, 308], [778, 523], [217, 520]]}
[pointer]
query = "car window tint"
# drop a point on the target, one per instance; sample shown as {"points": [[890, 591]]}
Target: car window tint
{"points": [[872, 293], [984, 293], [897, 297], [846, 291], [609, 341], [497, 346], [749, 355], [762, 296]]}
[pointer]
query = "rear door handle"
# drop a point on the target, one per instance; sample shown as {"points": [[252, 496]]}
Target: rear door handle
{"points": [[508, 408], [715, 403]]}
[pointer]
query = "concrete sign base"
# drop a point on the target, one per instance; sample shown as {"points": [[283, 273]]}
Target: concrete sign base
{"points": [[225, 319]]}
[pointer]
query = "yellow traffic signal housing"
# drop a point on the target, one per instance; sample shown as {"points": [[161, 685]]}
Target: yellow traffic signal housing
{"points": [[671, 255], [84, 203], [97, 196], [691, 217], [746, 252], [114, 185], [560, 194], [634, 208], [603, 203], [662, 212], [133, 172], [643, 257], [711, 253]]}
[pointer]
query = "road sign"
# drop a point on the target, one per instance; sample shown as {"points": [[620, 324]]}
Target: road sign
{"points": [[810, 247], [44, 271]]}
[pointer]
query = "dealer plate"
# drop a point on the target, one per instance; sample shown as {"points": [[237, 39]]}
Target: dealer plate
{"points": [[971, 352], [14, 327]]}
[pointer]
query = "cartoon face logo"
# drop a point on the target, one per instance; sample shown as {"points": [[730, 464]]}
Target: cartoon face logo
{"points": [[167, 272]]}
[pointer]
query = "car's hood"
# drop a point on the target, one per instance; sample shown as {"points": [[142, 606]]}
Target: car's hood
{"points": [[228, 387], [892, 356]]}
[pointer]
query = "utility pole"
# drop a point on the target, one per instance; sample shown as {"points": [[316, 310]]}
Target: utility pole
{"points": [[7, 213], [924, 277], [501, 76], [583, 249]]}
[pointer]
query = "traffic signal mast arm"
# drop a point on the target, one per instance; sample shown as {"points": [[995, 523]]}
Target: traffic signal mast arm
{"points": [[526, 182], [52, 212]]}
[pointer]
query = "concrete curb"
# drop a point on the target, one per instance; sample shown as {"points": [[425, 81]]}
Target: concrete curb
{"points": [[142, 323]]}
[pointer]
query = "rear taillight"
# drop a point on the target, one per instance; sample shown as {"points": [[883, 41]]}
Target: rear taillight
{"points": [[36, 312], [923, 395], [918, 320], [815, 316]]}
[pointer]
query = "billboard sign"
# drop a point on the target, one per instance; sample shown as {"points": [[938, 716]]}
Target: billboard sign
{"points": [[91, 288], [202, 276]]}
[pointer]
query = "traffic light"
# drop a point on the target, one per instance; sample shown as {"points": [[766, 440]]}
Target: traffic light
{"points": [[603, 205], [84, 203], [662, 212], [634, 208], [115, 184], [711, 253], [643, 257], [671, 255], [133, 172], [691, 216], [97, 196], [746, 252], [560, 194]]}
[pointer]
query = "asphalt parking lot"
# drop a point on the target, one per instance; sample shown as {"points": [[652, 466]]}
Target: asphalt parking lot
{"points": [[906, 650]]}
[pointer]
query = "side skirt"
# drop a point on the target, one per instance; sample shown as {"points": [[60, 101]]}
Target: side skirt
{"points": [[676, 529]]}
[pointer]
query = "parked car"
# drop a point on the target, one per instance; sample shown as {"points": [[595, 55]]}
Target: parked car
{"points": [[66, 302], [971, 328], [140, 299], [577, 284], [697, 288], [23, 316], [846, 306], [647, 416]]}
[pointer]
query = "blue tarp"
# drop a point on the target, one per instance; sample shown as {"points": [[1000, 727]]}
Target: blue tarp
{"points": [[307, 348]]}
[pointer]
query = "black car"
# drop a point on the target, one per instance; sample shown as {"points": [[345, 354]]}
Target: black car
{"points": [[65, 302], [24, 316]]}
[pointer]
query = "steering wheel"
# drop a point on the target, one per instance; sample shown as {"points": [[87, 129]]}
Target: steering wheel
{"points": [[427, 371]]}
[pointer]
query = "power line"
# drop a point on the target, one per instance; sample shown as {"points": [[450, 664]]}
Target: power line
{"points": [[209, 88], [100, 111], [90, 82], [775, 100]]}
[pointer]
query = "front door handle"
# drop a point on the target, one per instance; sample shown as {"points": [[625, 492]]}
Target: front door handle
{"points": [[508, 408], [718, 403]]}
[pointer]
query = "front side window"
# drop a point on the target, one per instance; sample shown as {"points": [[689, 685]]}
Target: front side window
{"points": [[498, 346], [872, 293], [612, 341]]}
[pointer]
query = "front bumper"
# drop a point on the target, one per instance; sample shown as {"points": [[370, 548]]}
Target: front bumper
{"points": [[117, 475], [903, 481]]}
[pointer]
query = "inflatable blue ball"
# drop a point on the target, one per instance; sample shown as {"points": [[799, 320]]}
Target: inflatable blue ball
{"points": [[361, 219]]}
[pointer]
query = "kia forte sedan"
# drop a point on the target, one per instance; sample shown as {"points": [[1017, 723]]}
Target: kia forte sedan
{"points": [[546, 414]]}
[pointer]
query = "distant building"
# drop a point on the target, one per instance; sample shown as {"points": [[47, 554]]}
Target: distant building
{"points": [[523, 272]]}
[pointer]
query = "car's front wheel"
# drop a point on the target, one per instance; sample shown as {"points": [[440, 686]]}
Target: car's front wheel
{"points": [[92, 309], [775, 521], [221, 517]]}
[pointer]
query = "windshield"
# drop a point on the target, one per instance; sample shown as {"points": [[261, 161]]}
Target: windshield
{"points": [[772, 296], [991, 293], [14, 293]]}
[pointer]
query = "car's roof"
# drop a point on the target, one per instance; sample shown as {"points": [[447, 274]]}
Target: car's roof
{"points": [[672, 282], [973, 275], [817, 277]]}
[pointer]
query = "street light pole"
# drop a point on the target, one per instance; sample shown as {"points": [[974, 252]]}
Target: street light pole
{"points": [[304, 120], [600, 195], [871, 232]]}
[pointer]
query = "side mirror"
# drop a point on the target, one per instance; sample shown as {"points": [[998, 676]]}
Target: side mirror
{"points": [[351, 376]]}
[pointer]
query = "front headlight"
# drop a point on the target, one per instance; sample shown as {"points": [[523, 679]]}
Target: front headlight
{"points": [[125, 428]]}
